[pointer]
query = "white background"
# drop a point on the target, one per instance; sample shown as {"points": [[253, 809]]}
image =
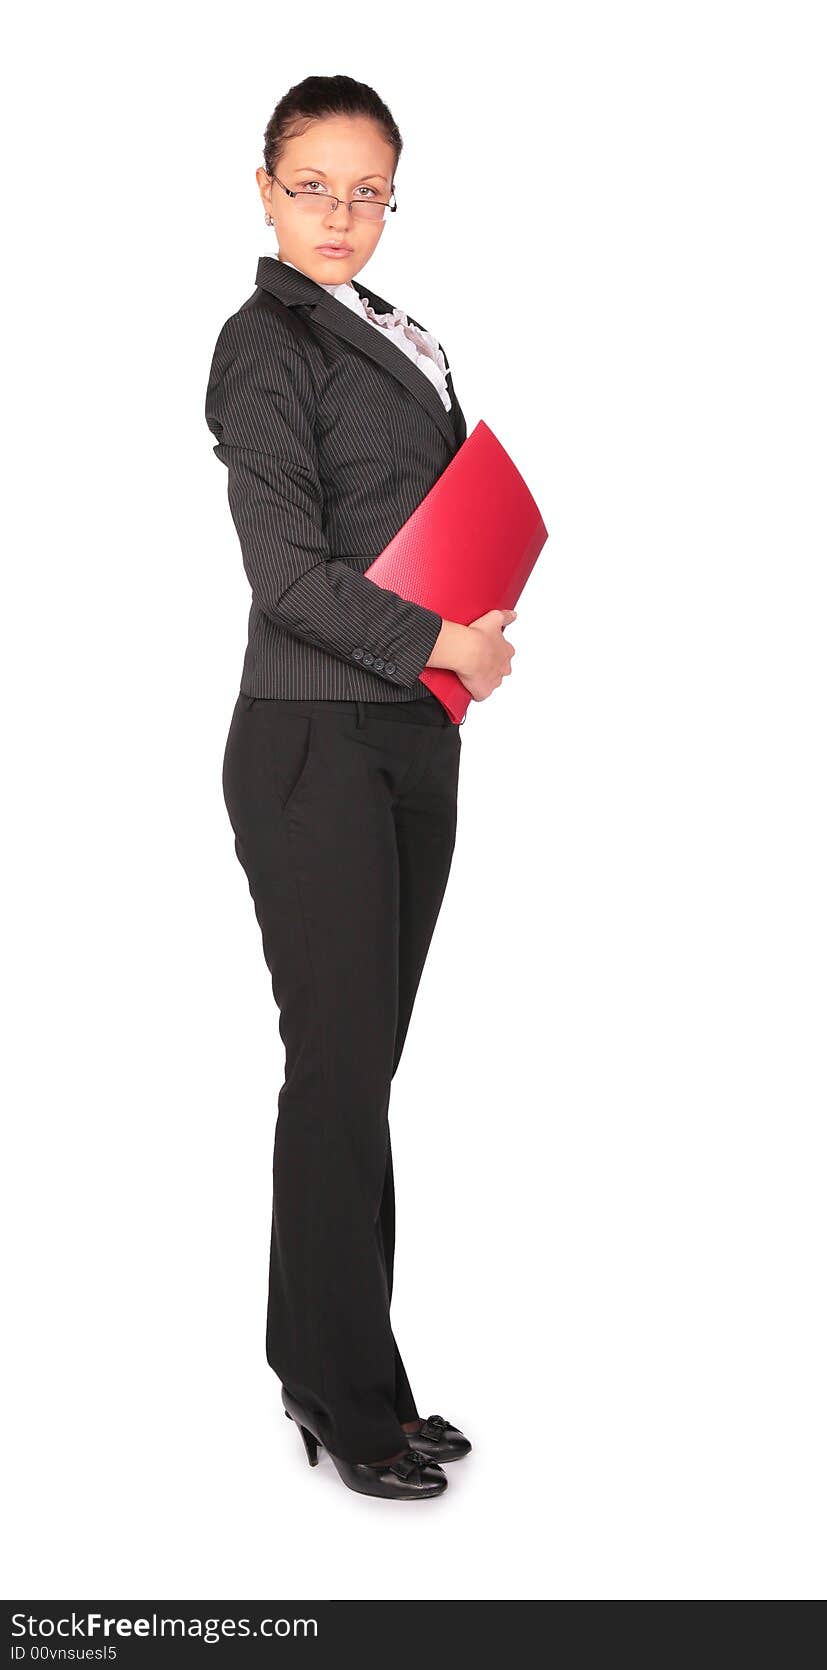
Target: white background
{"points": [[609, 1121]]}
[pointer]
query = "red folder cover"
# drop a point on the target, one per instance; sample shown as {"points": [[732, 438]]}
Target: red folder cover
{"points": [[469, 546]]}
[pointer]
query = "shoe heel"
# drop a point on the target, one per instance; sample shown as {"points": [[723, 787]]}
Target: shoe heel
{"points": [[311, 1444]]}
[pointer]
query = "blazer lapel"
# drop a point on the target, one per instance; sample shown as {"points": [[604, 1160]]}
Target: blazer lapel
{"points": [[455, 415], [298, 289]]}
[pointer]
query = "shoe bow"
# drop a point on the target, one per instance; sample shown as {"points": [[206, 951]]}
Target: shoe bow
{"points": [[435, 1427], [408, 1464]]}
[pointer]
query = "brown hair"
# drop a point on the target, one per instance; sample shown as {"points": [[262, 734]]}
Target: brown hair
{"points": [[325, 95]]}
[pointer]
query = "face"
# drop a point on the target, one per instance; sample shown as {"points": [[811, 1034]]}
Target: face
{"points": [[346, 157]]}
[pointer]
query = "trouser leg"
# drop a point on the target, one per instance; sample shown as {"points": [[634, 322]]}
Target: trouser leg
{"points": [[316, 834], [403, 1400], [425, 816]]}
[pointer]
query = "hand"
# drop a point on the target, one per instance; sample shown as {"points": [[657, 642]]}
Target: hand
{"points": [[478, 654], [486, 653]]}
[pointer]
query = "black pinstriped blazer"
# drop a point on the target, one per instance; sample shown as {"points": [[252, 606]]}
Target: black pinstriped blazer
{"points": [[331, 437]]}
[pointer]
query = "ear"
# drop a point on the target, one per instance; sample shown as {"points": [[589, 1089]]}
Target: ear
{"points": [[265, 187]]}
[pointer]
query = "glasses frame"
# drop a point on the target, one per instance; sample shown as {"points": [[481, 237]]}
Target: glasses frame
{"points": [[336, 201]]}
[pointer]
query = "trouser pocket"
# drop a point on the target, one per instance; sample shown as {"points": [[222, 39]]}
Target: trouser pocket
{"points": [[266, 759]]}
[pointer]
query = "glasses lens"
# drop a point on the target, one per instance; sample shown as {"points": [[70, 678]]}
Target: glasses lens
{"points": [[315, 202], [318, 203], [367, 209]]}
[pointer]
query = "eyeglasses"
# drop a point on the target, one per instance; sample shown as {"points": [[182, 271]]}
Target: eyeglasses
{"points": [[317, 202]]}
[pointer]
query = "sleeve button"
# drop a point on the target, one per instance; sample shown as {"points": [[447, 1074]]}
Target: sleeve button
{"points": [[378, 663], [367, 660], [357, 654], [390, 666]]}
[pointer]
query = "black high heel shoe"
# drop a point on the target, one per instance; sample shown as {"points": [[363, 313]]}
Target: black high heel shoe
{"points": [[411, 1478], [440, 1440]]}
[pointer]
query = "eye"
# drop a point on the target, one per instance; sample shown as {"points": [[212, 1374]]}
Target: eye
{"points": [[324, 190]]}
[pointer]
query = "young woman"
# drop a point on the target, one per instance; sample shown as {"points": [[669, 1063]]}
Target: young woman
{"points": [[335, 413]]}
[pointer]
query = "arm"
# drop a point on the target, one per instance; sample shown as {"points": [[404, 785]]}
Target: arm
{"points": [[260, 407]]}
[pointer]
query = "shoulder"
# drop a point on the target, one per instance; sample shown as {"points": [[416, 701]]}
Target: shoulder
{"points": [[261, 333], [258, 362]]}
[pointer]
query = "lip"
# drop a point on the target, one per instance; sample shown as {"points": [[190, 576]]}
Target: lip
{"points": [[335, 249]]}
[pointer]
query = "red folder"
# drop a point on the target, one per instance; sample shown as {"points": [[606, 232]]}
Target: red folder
{"points": [[469, 546]]}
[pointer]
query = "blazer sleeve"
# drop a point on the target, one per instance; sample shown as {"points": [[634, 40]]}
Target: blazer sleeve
{"points": [[261, 408]]}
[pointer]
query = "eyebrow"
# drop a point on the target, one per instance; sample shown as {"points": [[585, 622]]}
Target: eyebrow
{"points": [[307, 168]]}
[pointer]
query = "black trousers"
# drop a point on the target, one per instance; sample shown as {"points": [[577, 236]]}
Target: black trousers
{"points": [[344, 816]]}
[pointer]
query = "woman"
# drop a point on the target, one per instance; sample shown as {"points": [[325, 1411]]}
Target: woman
{"points": [[333, 414]]}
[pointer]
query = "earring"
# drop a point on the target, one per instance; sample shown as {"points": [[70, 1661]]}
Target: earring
{"points": [[268, 220]]}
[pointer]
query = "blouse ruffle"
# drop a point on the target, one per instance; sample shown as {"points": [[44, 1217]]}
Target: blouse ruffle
{"points": [[420, 345]]}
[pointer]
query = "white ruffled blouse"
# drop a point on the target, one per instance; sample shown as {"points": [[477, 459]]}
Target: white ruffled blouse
{"points": [[419, 345]]}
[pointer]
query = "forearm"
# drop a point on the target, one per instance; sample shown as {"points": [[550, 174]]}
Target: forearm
{"points": [[342, 611]]}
